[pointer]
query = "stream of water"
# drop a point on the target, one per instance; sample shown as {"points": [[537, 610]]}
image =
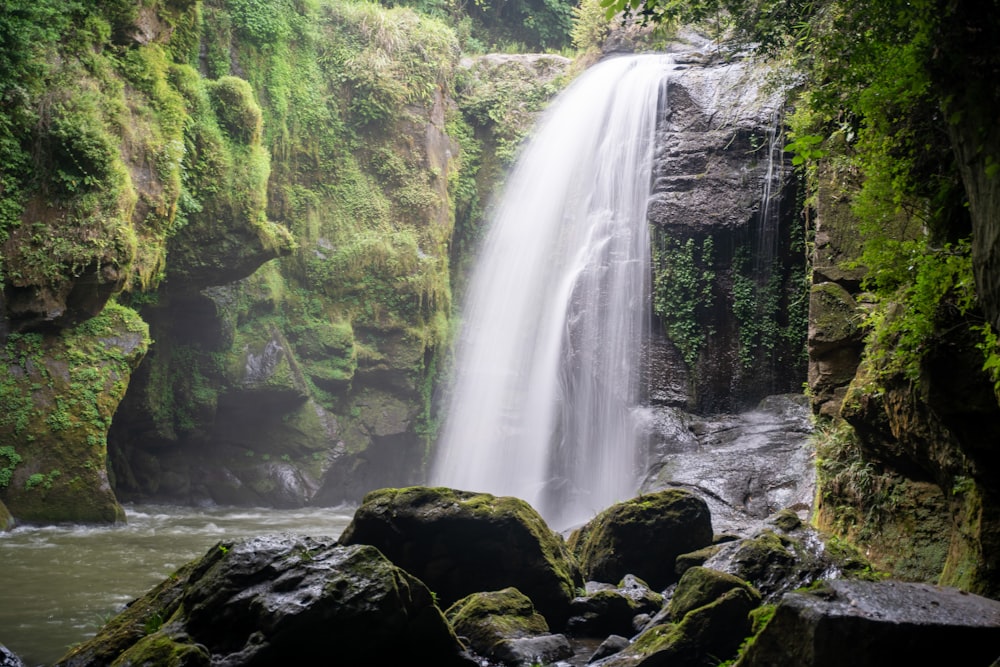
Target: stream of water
{"points": [[545, 399], [60, 584]]}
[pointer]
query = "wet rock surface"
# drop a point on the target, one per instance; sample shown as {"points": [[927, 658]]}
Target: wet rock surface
{"points": [[872, 624], [458, 542], [8, 658], [608, 610], [745, 466], [270, 599]]}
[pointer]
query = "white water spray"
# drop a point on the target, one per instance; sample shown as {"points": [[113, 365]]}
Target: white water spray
{"points": [[548, 364]]}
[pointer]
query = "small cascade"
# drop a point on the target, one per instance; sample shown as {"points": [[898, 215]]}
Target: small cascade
{"points": [[544, 404], [770, 208]]}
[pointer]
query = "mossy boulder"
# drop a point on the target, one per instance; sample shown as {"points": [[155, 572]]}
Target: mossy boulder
{"points": [[643, 536], [493, 623], [706, 635], [460, 542], [272, 599], [700, 586]]}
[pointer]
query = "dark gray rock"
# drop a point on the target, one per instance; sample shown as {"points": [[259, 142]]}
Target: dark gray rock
{"points": [[609, 646], [8, 658], [873, 624], [544, 649], [612, 610], [280, 600], [459, 542]]}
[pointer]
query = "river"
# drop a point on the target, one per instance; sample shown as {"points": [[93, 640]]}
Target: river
{"points": [[59, 584]]}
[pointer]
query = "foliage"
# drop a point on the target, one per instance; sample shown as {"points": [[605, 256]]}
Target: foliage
{"points": [[7, 470], [524, 24], [590, 26], [683, 278], [936, 282], [859, 492]]}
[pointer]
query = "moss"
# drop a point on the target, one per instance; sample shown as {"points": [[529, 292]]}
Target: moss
{"points": [[642, 536], [700, 586], [71, 386], [238, 112], [834, 313], [488, 618], [164, 651], [157, 606]]}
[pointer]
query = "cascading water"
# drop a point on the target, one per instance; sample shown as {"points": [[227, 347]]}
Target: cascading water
{"points": [[544, 402]]}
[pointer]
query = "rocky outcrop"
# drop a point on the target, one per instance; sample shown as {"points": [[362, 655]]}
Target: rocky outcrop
{"points": [[871, 624], [642, 536], [271, 599], [59, 394], [724, 257], [459, 542]]}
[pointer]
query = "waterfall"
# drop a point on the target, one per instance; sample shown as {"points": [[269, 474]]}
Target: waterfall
{"points": [[545, 397]]}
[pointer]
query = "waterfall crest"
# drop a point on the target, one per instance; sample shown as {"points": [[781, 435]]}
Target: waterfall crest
{"points": [[547, 384]]}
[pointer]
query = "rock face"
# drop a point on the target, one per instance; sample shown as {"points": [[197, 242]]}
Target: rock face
{"points": [[643, 536], [270, 599], [59, 394], [458, 542], [727, 268], [871, 624]]}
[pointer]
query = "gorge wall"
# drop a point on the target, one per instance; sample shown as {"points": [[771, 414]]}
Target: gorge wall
{"points": [[274, 190]]}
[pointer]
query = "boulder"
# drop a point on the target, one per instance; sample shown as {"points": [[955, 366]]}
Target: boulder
{"points": [[485, 619], [279, 599], [544, 649], [612, 610], [778, 561], [869, 624], [503, 626], [701, 586], [706, 635], [459, 542], [609, 646], [643, 536]]}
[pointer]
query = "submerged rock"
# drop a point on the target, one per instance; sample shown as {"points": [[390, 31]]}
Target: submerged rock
{"points": [[459, 542], [643, 536], [872, 624], [275, 600]]}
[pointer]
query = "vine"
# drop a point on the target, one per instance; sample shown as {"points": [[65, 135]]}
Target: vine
{"points": [[683, 277]]}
